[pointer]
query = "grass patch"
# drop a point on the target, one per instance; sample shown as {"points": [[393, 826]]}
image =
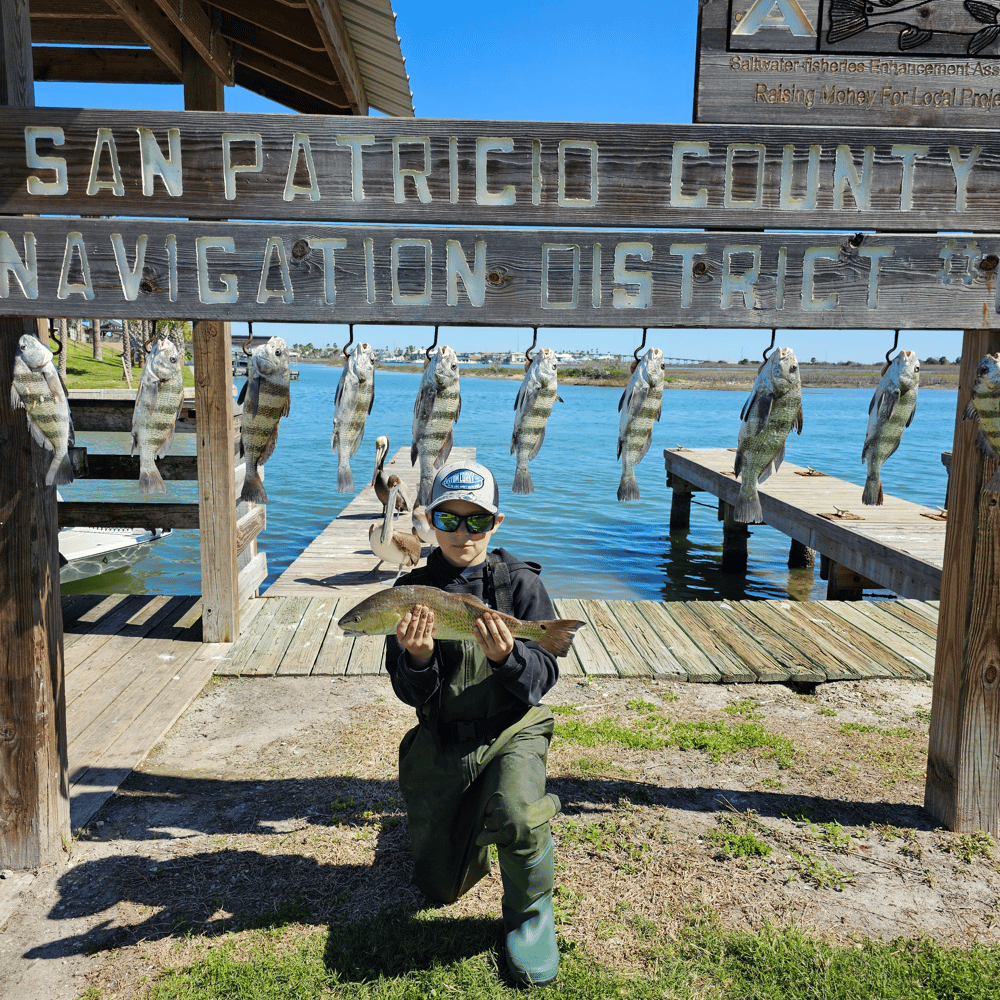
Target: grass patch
{"points": [[969, 846], [857, 727], [564, 709], [404, 955], [746, 707], [83, 371]]}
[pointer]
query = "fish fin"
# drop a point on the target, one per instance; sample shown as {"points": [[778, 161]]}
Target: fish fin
{"points": [[423, 406], [522, 482], [165, 447], [371, 402], [747, 509], [413, 453], [618, 453], [445, 451], [645, 446], [253, 488], [847, 19], [558, 635], [798, 421], [458, 409], [345, 480], [765, 401], [286, 409], [872, 495], [628, 488], [559, 399], [983, 39], [150, 481], [39, 438], [268, 450], [912, 413], [527, 396], [54, 381], [971, 413], [538, 444], [621, 402], [984, 13], [252, 398], [738, 464], [773, 465], [472, 601], [60, 472], [16, 403], [887, 402], [912, 38], [243, 392], [513, 441], [986, 444], [993, 483]]}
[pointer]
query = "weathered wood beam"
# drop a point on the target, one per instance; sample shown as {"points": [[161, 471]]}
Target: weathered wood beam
{"points": [[277, 90], [963, 777], [199, 32], [72, 10], [250, 526], [151, 24], [333, 31], [294, 25], [330, 92], [88, 31], [58, 64], [170, 467], [98, 514], [34, 788]]}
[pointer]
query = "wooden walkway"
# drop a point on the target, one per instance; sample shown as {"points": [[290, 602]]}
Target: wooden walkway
{"points": [[698, 641], [133, 664], [338, 563], [898, 546]]}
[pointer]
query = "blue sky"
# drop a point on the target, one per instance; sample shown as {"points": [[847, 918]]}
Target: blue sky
{"points": [[545, 60]]}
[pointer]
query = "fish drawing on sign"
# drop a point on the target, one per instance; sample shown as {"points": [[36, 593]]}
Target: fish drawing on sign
{"points": [[353, 402], [773, 408], [532, 408], [984, 406], [889, 414], [918, 22], [157, 405], [39, 391]]}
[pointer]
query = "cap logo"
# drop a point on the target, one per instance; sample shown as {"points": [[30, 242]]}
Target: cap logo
{"points": [[463, 479]]}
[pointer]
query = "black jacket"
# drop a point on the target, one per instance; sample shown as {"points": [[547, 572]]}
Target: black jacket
{"points": [[527, 673]]}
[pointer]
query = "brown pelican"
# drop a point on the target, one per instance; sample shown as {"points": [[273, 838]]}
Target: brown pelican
{"points": [[394, 547], [379, 479]]}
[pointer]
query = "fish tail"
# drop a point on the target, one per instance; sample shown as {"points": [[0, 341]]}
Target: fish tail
{"points": [[748, 509], [872, 495], [522, 481], [847, 19], [150, 480], [60, 472], [993, 484], [628, 488], [253, 488], [345, 480], [558, 635]]}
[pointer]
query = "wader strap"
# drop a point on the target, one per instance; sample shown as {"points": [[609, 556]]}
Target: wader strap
{"points": [[479, 730], [500, 578]]}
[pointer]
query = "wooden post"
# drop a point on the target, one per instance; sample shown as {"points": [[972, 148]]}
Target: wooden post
{"points": [[800, 556], [963, 762], [843, 584], [96, 340], [734, 541], [34, 789], [213, 379], [680, 504]]}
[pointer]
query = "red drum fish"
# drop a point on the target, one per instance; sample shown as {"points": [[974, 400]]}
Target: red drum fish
{"points": [[918, 21]]}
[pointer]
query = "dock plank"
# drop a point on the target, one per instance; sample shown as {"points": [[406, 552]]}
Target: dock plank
{"points": [[367, 656], [267, 654], [912, 618], [699, 666], [727, 627], [241, 651], [714, 640], [622, 652], [653, 651], [319, 616], [900, 639], [331, 660], [593, 657]]}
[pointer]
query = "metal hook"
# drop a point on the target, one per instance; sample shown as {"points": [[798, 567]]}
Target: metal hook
{"points": [[247, 349], [55, 337], [534, 340], [895, 343], [635, 353], [349, 342], [427, 353], [767, 350]]}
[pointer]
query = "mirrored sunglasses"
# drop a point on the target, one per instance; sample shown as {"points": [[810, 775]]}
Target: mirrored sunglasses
{"points": [[475, 524]]}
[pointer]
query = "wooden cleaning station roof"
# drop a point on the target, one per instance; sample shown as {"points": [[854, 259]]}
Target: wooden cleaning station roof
{"points": [[314, 56]]}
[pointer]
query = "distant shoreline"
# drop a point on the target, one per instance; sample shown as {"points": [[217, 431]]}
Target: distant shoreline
{"points": [[727, 377]]}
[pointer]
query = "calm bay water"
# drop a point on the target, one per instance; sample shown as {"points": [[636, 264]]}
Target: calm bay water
{"points": [[590, 545]]}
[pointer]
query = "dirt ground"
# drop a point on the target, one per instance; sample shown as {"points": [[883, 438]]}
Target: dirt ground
{"points": [[278, 796]]}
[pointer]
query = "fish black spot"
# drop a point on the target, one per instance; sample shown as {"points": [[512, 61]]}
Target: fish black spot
{"points": [[544, 629]]}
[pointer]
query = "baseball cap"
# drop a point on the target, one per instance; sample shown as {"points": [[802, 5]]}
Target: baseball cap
{"points": [[465, 481]]}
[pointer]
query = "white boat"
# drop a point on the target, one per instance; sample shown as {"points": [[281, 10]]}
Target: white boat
{"points": [[86, 552]]}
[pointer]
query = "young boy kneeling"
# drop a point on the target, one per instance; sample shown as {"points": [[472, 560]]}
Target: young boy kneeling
{"points": [[472, 772]]}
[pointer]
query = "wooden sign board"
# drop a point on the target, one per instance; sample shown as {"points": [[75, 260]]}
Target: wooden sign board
{"points": [[304, 272], [55, 161], [849, 62]]}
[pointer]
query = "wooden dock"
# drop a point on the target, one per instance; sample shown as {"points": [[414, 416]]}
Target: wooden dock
{"points": [[898, 546]]}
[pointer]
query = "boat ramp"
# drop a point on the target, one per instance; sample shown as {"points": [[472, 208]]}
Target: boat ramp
{"points": [[135, 662]]}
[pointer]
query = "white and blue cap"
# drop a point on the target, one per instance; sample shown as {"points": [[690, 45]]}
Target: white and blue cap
{"points": [[465, 481]]}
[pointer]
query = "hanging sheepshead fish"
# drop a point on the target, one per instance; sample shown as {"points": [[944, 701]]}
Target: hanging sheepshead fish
{"points": [[532, 409], [355, 396], [157, 403], [640, 406], [772, 410], [984, 406], [265, 397], [438, 406], [889, 414], [38, 390]]}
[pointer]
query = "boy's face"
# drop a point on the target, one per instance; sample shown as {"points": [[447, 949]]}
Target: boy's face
{"points": [[459, 548]]}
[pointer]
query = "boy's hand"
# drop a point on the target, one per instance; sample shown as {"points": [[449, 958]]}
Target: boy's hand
{"points": [[415, 633], [494, 637]]}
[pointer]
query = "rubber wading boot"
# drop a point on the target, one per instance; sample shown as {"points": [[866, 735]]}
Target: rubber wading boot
{"points": [[528, 920]]}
